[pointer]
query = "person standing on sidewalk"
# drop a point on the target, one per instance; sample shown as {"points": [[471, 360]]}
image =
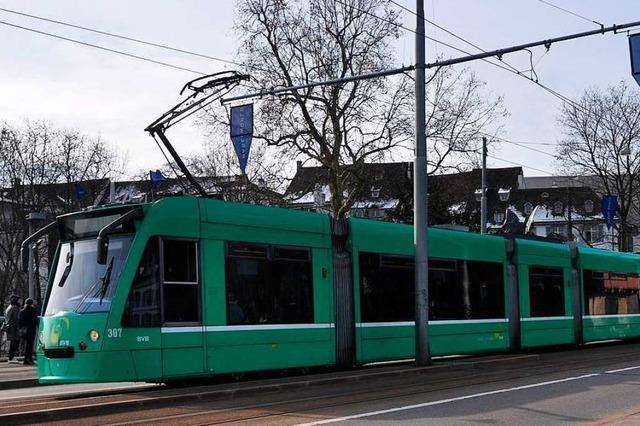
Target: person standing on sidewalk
{"points": [[11, 319], [28, 326]]}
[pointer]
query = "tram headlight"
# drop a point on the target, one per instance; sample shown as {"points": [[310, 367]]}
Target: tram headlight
{"points": [[94, 335]]}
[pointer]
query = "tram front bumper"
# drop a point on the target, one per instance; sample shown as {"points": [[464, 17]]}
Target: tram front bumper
{"points": [[86, 367]]}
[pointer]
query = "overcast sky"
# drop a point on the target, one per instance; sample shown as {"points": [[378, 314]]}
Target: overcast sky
{"points": [[104, 94]]}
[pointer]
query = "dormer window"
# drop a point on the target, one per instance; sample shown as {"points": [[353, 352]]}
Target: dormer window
{"points": [[375, 192], [504, 194], [588, 206], [557, 207], [528, 208]]}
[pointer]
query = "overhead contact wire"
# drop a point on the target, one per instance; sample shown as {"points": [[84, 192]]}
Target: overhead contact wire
{"points": [[123, 37], [571, 13], [106, 49]]}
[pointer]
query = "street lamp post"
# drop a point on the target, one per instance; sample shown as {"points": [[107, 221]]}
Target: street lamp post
{"points": [[624, 234], [33, 219], [483, 195]]}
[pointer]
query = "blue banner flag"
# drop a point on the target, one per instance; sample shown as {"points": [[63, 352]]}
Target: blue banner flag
{"points": [[80, 191], [242, 132], [634, 50], [156, 178], [609, 209]]}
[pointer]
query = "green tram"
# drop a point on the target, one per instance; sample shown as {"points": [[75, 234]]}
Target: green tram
{"points": [[189, 287]]}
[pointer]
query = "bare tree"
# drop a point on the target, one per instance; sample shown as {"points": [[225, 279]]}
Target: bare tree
{"points": [[263, 181], [39, 165], [459, 114], [342, 126], [602, 139]]}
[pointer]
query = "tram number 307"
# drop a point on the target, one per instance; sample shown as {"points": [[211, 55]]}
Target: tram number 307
{"points": [[114, 333]]}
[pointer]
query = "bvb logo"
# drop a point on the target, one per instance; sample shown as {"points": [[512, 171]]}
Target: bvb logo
{"points": [[56, 330]]}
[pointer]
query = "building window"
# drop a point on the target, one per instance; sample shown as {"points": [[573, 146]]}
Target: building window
{"points": [[498, 217], [556, 230], [546, 291], [268, 284], [608, 293], [557, 208], [142, 308], [375, 192], [528, 208], [593, 233], [588, 206], [458, 289]]}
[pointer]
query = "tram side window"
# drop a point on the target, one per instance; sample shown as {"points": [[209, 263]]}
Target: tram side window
{"points": [[268, 284], [143, 303], [386, 288], [608, 293], [486, 289], [180, 261], [180, 289], [458, 289], [546, 291]]}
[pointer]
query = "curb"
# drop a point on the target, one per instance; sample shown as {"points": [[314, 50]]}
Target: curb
{"points": [[19, 383]]}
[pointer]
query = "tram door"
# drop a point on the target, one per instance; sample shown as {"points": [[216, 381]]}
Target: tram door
{"points": [[182, 330]]}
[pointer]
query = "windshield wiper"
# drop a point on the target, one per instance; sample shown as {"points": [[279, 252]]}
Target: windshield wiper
{"points": [[93, 290], [106, 278], [67, 268]]}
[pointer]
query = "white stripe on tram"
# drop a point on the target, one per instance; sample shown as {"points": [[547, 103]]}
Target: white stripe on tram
{"points": [[612, 316], [182, 329], [437, 322], [247, 327], [546, 318]]}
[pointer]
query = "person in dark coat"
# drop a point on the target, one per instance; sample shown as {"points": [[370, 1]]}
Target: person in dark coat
{"points": [[28, 325], [10, 326]]}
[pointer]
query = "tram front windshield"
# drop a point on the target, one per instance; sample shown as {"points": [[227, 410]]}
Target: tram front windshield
{"points": [[82, 285]]}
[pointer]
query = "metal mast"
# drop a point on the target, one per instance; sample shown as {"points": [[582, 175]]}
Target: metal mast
{"points": [[420, 197]]}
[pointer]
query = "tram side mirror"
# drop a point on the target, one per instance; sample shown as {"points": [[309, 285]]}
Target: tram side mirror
{"points": [[103, 250]]}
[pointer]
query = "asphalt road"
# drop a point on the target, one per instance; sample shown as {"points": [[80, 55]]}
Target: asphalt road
{"points": [[597, 394], [595, 385]]}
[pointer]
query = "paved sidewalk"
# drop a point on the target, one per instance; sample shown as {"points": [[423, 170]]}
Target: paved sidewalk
{"points": [[16, 375]]}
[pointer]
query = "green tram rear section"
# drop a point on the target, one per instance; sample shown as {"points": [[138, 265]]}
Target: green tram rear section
{"points": [[198, 287]]}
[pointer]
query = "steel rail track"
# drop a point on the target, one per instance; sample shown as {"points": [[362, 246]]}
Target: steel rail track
{"points": [[87, 407]]}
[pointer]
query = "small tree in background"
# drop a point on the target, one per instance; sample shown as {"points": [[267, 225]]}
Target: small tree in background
{"points": [[34, 157], [602, 139]]}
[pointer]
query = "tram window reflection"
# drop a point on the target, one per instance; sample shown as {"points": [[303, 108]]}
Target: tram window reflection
{"points": [[458, 289], [609, 293], [143, 303], [268, 284]]}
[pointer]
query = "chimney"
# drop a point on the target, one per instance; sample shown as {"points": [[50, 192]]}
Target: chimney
{"points": [[298, 165]]}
